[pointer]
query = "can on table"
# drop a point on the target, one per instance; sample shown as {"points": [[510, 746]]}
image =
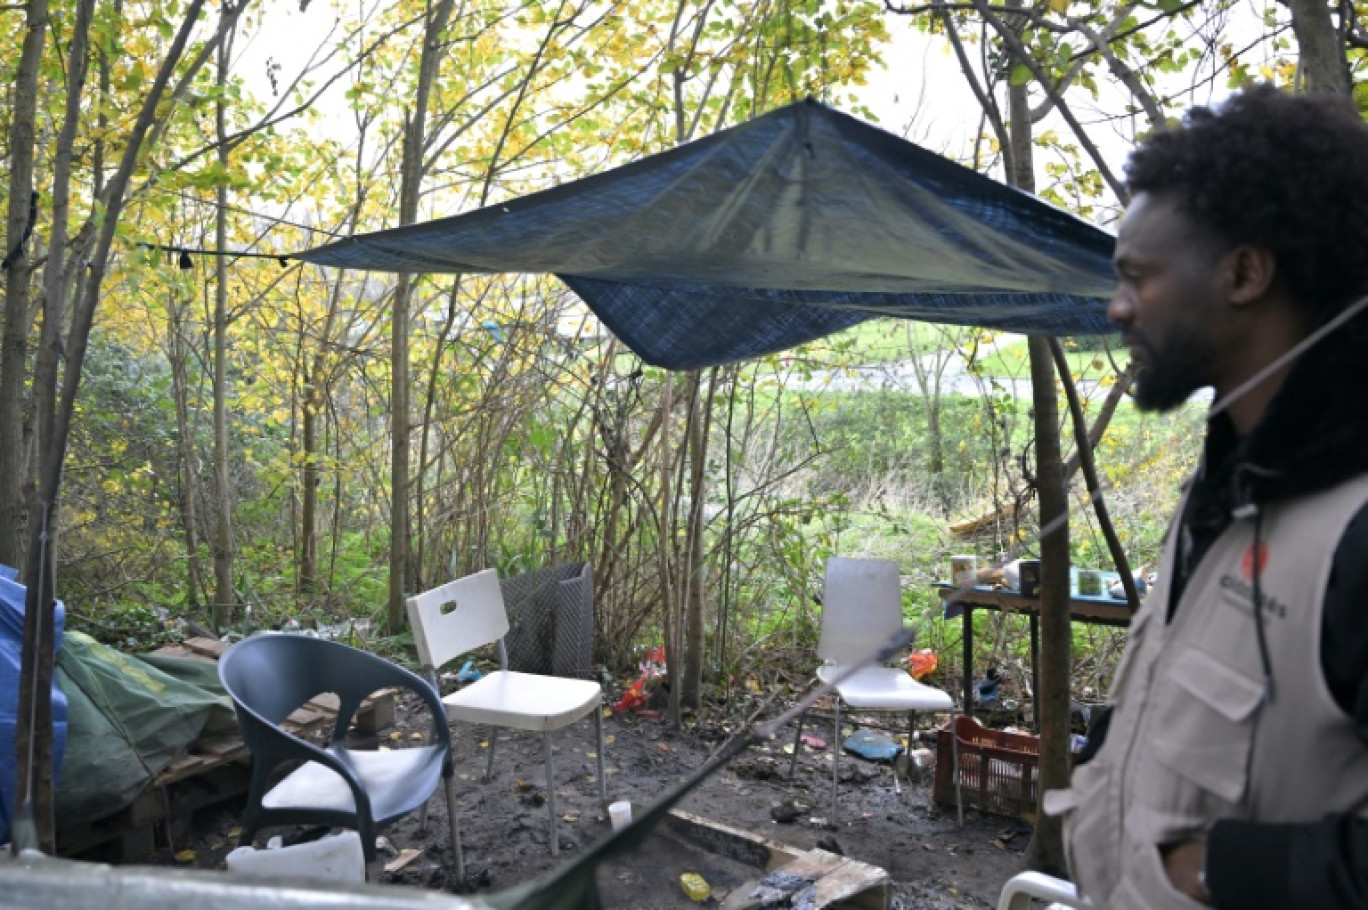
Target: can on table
{"points": [[1029, 577], [1089, 583], [963, 569]]}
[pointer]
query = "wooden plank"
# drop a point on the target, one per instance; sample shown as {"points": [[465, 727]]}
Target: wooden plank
{"points": [[208, 647], [855, 884], [733, 843], [376, 713], [405, 857]]}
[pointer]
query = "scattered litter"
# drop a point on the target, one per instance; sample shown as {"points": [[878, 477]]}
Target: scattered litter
{"points": [[814, 742], [469, 673], [871, 745], [695, 886], [780, 889], [406, 856], [921, 663], [638, 694]]}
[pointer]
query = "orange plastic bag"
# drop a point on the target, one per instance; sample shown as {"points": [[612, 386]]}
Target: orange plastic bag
{"points": [[921, 663]]}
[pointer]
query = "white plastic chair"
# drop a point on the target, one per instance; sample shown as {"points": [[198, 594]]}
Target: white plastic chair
{"points": [[861, 611], [466, 614], [1025, 887]]}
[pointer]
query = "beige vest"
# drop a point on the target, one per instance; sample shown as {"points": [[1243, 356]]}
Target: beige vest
{"points": [[1194, 736]]}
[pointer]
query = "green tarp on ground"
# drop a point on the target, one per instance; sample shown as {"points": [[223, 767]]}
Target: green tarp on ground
{"points": [[128, 718]]}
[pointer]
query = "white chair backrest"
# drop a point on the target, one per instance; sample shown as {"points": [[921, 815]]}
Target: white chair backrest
{"points": [[861, 608], [457, 617]]}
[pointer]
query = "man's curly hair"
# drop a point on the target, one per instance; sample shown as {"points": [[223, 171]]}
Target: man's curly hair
{"points": [[1286, 172]]}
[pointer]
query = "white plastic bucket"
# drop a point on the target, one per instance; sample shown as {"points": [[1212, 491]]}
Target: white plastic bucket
{"points": [[332, 858]]}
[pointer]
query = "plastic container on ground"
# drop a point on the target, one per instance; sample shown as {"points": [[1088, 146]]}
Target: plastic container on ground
{"points": [[999, 772], [620, 814], [332, 858]]}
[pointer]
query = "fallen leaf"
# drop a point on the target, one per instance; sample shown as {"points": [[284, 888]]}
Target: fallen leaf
{"points": [[570, 817], [665, 747], [394, 737], [609, 739], [416, 737], [235, 832], [185, 856], [591, 755]]}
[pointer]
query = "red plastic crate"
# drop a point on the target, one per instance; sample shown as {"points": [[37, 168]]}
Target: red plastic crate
{"points": [[999, 772]]}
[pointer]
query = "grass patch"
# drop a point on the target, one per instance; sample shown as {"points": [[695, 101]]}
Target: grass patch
{"points": [[1012, 361]]}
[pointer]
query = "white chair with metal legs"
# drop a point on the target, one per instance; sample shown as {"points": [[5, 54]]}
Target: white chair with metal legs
{"points": [[1023, 889], [861, 612], [469, 613]]}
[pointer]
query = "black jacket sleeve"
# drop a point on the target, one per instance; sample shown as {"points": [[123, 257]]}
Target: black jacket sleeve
{"points": [[1321, 864]]}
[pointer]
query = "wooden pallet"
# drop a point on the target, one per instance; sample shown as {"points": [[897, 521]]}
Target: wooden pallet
{"points": [[214, 768]]}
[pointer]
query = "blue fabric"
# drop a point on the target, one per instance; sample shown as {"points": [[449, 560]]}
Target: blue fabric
{"points": [[12, 596], [799, 223]]}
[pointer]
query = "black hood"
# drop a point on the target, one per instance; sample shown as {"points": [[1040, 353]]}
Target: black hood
{"points": [[1315, 432]]}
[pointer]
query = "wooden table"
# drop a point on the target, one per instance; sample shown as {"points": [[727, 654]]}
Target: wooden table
{"points": [[1104, 610]]}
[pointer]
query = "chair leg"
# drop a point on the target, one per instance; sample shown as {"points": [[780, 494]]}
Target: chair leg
{"points": [[455, 824], [955, 769], [835, 758], [551, 794], [797, 739], [493, 744], [598, 731]]}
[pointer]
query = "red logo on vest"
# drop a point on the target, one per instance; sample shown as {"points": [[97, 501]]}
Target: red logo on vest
{"points": [[1247, 562]]}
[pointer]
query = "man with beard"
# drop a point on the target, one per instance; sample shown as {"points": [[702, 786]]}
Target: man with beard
{"points": [[1232, 769]]}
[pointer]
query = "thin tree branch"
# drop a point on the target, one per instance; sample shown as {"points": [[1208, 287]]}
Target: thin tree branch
{"points": [[1023, 56]]}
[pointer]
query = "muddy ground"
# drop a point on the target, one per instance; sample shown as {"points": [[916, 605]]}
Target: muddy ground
{"points": [[933, 862]]}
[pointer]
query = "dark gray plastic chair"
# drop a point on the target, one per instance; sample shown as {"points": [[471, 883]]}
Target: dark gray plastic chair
{"points": [[270, 676]]}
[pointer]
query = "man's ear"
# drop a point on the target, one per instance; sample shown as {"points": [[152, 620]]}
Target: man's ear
{"points": [[1252, 271]]}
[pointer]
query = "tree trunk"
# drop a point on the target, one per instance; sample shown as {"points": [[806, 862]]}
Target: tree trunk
{"points": [[308, 535], [185, 436], [1045, 853], [700, 411], [33, 797], [225, 601], [411, 179], [1320, 46], [14, 351]]}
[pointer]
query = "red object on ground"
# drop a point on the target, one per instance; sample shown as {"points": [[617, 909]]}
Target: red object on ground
{"points": [[634, 697], [921, 663], [813, 742]]}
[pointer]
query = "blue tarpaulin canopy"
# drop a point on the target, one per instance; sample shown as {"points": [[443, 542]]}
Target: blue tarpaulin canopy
{"points": [[796, 224]]}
